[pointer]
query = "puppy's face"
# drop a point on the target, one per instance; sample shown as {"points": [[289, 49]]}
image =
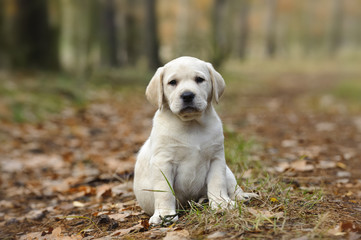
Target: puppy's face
{"points": [[187, 85], [187, 88]]}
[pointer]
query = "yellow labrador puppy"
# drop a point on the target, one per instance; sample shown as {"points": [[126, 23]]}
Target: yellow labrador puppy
{"points": [[185, 148]]}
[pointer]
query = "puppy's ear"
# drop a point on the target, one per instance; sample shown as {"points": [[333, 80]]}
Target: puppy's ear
{"points": [[154, 91], [218, 83]]}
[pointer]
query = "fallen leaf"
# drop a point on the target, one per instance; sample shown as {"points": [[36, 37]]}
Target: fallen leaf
{"points": [[36, 214], [265, 213], [348, 155], [349, 193], [122, 232], [145, 224], [83, 190], [341, 165], [325, 127], [283, 166], [301, 238], [326, 164], [343, 174], [336, 231], [106, 194], [50, 230], [354, 236], [32, 235], [6, 204], [348, 226], [357, 122], [78, 204], [56, 232], [177, 235], [342, 181], [301, 165], [11, 165], [217, 234], [120, 216], [289, 143], [247, 174]]}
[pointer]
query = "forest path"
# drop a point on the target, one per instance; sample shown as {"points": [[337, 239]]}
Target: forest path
{"points": [[70, 176]]}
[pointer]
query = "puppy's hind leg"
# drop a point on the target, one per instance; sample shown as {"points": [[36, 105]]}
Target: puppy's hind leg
{"points": [[235, 192]]}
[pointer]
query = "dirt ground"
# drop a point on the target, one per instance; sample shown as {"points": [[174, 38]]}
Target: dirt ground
{"points": [[70, 177]]}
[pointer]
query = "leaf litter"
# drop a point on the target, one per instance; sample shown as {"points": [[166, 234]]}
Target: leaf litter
{"points": [[70, 177]]}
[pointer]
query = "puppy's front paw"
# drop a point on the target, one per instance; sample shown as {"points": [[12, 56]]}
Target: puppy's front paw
{"points": [[155, 220], [164, 219], [223, 204], [243, 196]]}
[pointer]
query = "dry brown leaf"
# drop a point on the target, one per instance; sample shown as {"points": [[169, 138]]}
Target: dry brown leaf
{"points": [[301, 165], [78, 204], [36, 214], [145, 224], [336, 231], [32, 235], [122, 232], [177, 235], [217, 235], [326, 164], [83, 190], [247, 173], [104, 191], [348, 226], [55, 234], [344, 227], [289, 143], [348, 155], [357, 122], [283, 166], [121, 217], [341, 165], [325, 127], [6, 204], [301, 238], [343, 174], [265, 213]]}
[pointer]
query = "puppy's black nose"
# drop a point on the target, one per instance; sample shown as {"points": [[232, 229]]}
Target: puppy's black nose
{"points": [[187, 97]]}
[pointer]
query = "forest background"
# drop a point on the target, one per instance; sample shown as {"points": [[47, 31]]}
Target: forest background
{"points": [[73, 114], [86, 36]]}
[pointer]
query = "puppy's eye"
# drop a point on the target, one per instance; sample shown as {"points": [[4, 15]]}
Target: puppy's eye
{"points": [[199, 79], [173, 82]]}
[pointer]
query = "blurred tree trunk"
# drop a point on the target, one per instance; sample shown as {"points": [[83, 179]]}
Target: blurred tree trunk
{"points": [[79, 35], [2, 36], [121, 30], [220, 47], [133, 32], [182, 25], [308, 16], [244, 30], [336, 26], [151, 35], [271, 28], [109, 29], [30, 41]]}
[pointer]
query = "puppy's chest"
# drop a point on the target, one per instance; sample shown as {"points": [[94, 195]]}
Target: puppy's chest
{"points": [[194, 152], [192, 165], [193, 157]]}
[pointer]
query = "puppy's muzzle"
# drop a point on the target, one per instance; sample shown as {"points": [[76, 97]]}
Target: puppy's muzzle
{"points": [[188, 102]]}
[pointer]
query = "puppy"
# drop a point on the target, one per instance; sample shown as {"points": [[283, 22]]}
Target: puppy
{"points": [[185, 149]]}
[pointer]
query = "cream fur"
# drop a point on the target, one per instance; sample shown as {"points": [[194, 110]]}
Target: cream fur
{"points": [[184, 145]]}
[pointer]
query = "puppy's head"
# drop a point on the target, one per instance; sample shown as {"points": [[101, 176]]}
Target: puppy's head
{"points": [[187, 86]]}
